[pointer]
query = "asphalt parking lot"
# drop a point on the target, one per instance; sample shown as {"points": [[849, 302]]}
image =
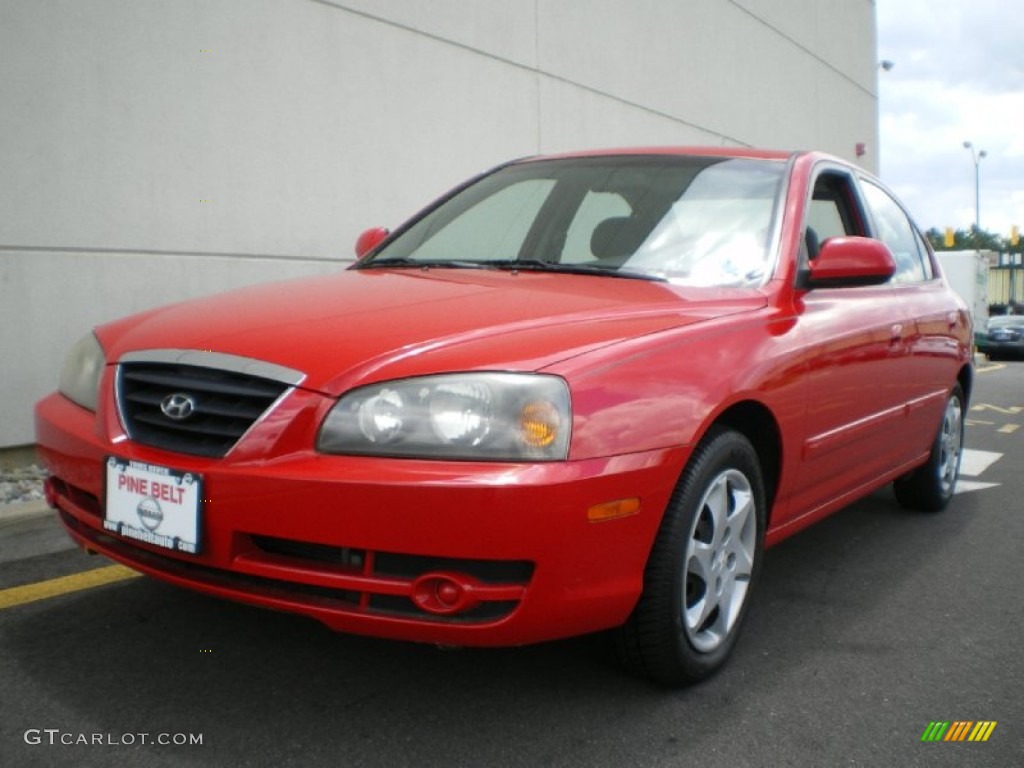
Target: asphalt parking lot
{"points": [[866, 629]]}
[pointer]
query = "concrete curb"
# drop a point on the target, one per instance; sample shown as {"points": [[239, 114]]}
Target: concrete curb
{"points": [[23, 510]]}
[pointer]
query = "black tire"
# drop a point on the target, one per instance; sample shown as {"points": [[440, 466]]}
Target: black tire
{"points": [[930, 487], [701, 572]]}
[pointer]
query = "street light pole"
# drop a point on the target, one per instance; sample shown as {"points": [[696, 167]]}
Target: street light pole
{"points": [[977, 156]]}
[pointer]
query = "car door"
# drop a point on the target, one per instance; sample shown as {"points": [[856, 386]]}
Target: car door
{"points": [[935, 329], [855, 342]]}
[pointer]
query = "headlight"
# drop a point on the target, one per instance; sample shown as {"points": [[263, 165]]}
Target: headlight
{"points": [[475, 416], [80, 376]]}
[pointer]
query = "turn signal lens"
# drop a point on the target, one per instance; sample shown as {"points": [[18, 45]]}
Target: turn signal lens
{"points": [[612, 510], [538, 424]]}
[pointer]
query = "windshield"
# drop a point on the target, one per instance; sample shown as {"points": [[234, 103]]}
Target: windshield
{"points": [[1005, 321], [700, 221]]}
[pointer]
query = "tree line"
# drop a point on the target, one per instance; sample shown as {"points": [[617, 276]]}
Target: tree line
{"points": [[974, 239]]}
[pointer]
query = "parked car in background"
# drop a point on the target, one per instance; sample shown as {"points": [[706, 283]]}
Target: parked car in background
{"points": [[577, 393], [1003, 337]]}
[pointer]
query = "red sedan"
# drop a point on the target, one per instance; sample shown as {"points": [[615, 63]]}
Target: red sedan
{"points": [[577, 393]]}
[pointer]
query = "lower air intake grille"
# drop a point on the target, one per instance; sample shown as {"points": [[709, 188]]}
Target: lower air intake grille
{"points": [[191, 409]]}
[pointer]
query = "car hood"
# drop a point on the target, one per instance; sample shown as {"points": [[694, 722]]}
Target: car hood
{"points": [[360, 326]]}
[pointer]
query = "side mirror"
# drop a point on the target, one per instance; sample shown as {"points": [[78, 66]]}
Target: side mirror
{"points": [[845, 262], [369, 240]]}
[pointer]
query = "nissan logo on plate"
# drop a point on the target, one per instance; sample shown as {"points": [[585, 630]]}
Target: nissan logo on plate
{"points": [[177, 406], [149, 513]]}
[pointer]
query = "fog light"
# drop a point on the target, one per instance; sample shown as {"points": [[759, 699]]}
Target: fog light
{"points": [[444, 594], [448, 594]]}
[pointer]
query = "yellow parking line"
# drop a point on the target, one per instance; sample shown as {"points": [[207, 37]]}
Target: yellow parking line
{"points": [[42, 590], [989, 367]]}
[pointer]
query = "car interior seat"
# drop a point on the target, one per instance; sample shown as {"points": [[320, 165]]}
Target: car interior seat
{"points": [[614, 240]]}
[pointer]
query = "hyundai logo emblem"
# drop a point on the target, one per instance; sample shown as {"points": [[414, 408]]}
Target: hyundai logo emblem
{"points": [[177, 406]]}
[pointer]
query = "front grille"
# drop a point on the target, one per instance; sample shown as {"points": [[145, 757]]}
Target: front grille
{"points": [[224, 404], [1004, 335]]}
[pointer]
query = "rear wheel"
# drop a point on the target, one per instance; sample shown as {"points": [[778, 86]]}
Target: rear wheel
{"points": [[702, 568], [931, 486]]}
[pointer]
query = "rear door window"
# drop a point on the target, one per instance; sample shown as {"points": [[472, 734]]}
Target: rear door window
{"points": [[895, 229]]}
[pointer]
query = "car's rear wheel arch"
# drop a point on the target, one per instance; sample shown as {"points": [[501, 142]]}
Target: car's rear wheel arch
{"points": [[757, 423]]}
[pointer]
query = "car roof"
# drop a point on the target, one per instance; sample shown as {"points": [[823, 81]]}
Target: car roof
{"points": [[698, 151]]}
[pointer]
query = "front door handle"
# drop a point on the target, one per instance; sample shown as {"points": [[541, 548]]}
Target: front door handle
{"points": [[896, 334]]}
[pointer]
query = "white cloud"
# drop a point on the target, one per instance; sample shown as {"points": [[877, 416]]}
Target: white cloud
{"points": [[959, 76]]}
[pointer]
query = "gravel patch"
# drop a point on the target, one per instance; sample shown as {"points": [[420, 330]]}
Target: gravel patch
{"points": [[21, 484]]}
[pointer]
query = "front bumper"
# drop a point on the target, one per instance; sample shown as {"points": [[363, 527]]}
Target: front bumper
{"points": [[445, 552], [1001, 348]]}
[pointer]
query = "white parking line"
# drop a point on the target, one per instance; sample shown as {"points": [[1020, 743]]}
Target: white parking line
{"points": [[966, 486], [974, 462]]}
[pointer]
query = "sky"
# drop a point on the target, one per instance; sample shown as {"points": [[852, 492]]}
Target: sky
{"points": [[958, 76]]}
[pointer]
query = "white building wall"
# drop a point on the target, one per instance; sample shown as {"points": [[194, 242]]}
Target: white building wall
{"points": [[154, 150]]}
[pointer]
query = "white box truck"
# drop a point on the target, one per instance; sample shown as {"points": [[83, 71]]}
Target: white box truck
{"points": [[967, 274]]}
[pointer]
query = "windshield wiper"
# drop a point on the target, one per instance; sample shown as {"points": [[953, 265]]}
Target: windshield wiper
{"points": [[537, 265], [511, 265], [422, 263]]}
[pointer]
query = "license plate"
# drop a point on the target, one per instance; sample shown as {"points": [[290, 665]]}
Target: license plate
{"points": [[153, 504]]}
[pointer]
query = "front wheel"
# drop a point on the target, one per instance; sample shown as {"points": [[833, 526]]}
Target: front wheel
{"points": [[931, 486], [702, 568]]}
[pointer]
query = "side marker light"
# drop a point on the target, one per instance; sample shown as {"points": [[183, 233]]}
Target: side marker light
{"points": [[613, 510]]}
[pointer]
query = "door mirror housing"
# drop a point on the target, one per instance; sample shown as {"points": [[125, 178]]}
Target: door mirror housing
{"points": [[369, 240], [845, 262]]}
